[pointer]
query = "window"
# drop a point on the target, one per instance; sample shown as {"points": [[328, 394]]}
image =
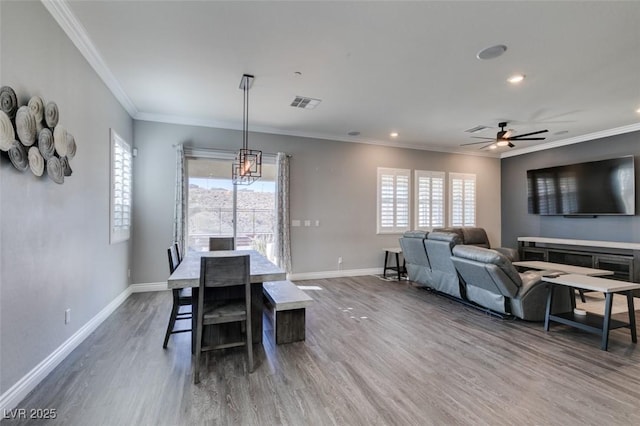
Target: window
{"points": [[429, 199], [462, 199], [217, 208], [393, 200], [120, 196]]}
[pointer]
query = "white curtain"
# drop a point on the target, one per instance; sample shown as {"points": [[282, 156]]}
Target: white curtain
{"points": [[282, 237], [180, 208]]}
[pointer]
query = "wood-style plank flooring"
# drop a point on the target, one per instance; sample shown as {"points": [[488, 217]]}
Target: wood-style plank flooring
{"points": [[377, 353]]}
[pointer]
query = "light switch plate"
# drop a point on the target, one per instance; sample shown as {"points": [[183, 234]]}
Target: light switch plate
{"points": [[295, 222], [307, 223]]}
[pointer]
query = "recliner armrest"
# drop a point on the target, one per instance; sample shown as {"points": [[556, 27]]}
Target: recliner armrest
{"points": [[529, 279], [509, 253]]}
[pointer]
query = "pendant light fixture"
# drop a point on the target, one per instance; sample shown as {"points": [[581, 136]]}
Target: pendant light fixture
{"points": [[247, 166]]}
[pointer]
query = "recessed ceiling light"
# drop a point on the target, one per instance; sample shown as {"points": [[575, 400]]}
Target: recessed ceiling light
{"points": [[354, 133], [393, 134], [516, 78], [491, 52]]}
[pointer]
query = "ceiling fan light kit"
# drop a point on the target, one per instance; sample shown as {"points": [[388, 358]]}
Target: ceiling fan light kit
{"points": [[504, 138]]}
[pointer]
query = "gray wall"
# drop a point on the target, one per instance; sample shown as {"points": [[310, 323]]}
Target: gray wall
{"points": [[516, 222], [333, 182], [54, 241]]}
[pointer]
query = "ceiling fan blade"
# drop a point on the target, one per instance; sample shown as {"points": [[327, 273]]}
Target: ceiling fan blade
{"points": [[516, 137], [528, 139], [480, 137], [474, 143], [487, 145]]}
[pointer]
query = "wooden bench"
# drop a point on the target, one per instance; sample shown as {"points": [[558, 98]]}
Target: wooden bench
{"points": [[286, 305]]}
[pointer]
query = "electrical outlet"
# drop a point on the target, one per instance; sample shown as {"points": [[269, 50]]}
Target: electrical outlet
{"points": [[129, 273], [67, 316], [340, 260]]}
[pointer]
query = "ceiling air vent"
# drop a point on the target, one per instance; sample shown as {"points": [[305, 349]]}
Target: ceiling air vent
{"points": [[305, 103]]}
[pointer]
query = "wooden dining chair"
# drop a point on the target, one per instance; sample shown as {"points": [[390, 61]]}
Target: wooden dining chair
{"points": [[178, 255], [221, 243], [181, 297], [217, 272]]}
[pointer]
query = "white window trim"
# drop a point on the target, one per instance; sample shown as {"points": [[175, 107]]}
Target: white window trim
{"points": [[120, 233], [395, 229], [464, 177], [418, 174]]}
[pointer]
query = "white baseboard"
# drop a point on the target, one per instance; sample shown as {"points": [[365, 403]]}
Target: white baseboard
{"points": [[12, 397], [334, 274], [140, 288]]}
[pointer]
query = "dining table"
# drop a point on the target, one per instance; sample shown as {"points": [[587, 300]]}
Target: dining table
{"points": [[261, 270]]}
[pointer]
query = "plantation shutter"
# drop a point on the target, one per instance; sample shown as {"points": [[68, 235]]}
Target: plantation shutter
{"points": [[393, 200], [429, 196], [462, 187], [121, 170]]}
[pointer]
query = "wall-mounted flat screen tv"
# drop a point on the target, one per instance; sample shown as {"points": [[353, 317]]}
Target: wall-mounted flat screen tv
{"points": [[605, 187]]}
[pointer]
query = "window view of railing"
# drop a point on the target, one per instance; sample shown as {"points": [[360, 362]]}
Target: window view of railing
{"points": [[210, 214], [255, 227]]}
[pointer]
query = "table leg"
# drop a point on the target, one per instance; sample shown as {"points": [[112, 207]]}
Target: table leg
{"points": [[632, 316], [386, 257], [606, 321], [257, 306], [398, 266], [572, 297], [194, 317], [550, 288]]}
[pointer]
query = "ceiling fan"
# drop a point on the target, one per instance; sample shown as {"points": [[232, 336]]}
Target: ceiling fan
{"points": [[504, 138]]}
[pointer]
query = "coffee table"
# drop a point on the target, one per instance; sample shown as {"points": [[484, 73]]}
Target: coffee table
{"points": [[565, 269], [591, 322], [561, 267]]}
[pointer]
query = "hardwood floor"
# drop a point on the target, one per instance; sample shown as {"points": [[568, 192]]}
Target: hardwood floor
{"points": [[377, 352]]}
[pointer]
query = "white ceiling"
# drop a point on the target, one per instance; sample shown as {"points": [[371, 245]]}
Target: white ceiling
{"points": [[378, 67]]}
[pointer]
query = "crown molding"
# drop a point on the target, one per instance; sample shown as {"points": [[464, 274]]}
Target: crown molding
{"points": [[63, 15], [203, 122], [577, 139]]}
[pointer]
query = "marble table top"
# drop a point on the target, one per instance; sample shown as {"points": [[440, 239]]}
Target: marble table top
{"points": [[561, 267], [585, 282], [187, 274]]}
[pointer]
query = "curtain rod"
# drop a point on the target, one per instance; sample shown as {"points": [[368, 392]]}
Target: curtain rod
{"points": [[220, 151]]}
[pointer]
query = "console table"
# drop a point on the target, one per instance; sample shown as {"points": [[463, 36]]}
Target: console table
{"points": [[590, 322], [623, 259]]}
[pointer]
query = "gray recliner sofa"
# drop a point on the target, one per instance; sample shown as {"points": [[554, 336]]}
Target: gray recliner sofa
{"points": [[473, 236], [415, 257], [492, 281], [444, 277], [428, 260]]}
